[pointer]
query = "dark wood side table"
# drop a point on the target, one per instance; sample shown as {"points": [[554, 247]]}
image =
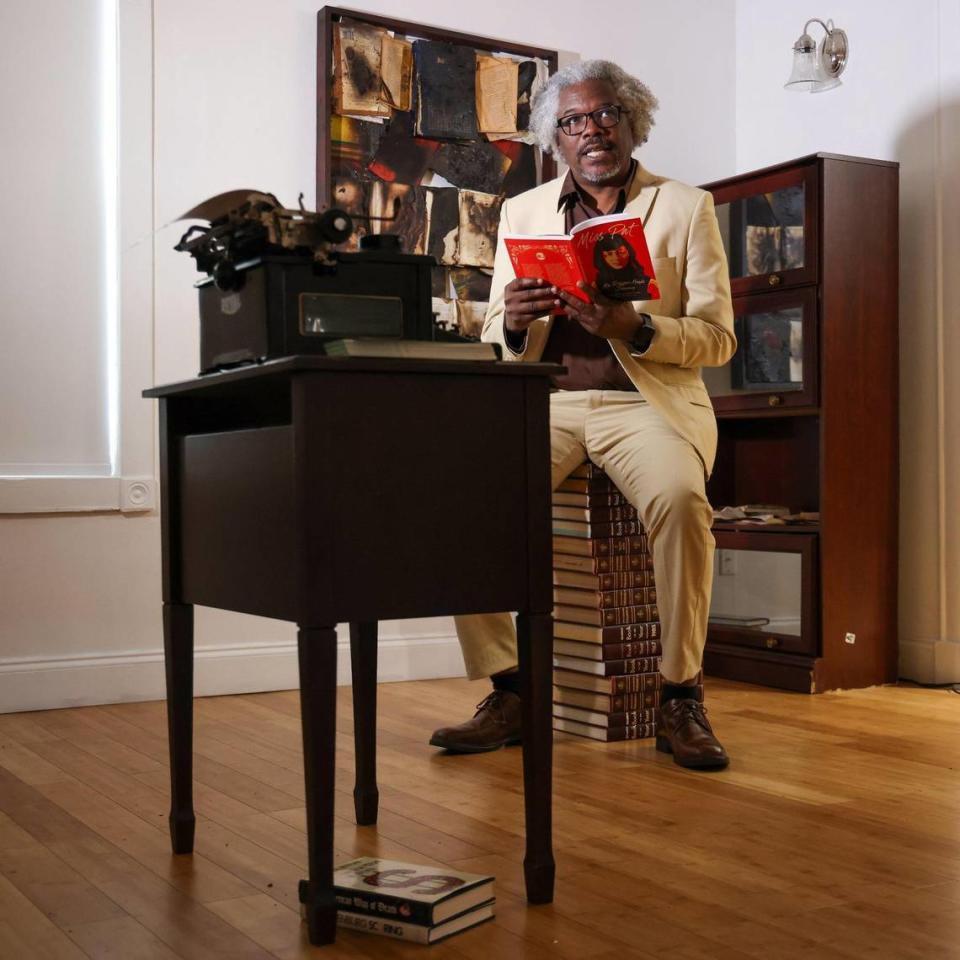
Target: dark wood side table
{"points": [[339, 490]]}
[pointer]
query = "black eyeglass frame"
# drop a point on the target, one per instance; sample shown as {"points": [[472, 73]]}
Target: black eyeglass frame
{"points": [[593, 114]]}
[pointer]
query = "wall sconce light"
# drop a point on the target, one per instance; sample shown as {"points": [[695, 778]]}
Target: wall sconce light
{"points": [[818, 69]]}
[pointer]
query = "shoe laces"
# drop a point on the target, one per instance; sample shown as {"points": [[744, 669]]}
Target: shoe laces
{"points": [[694, 710], [491, 701]]}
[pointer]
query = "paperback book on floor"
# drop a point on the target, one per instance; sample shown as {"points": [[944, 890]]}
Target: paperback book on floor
{"points": [[410, 901]]}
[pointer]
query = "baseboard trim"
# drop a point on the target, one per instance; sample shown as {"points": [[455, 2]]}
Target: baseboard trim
{"points": [[48, 683], [930, 661]]}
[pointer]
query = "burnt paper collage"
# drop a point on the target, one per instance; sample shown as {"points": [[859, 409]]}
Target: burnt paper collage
{"points": [[431, 136]]}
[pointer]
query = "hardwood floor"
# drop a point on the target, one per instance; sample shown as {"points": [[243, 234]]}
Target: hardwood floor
{"points": [[835, 833]]}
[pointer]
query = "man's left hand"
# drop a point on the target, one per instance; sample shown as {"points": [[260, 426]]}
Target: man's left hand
{"points": [[601, 316]]}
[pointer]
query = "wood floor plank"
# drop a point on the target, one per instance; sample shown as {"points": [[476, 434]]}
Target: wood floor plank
{"points": [[122, 938]]}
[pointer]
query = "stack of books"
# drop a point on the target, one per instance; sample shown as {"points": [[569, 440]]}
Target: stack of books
{"points": [[606, 623], [409, 901]]}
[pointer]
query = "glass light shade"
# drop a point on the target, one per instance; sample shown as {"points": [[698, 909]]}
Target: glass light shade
{"points": [[806, 66]]}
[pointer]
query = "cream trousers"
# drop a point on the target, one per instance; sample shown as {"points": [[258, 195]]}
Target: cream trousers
{"points": [[662, 475]]}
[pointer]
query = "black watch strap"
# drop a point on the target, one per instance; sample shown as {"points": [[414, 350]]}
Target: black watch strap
{"points": [[644, 335]]}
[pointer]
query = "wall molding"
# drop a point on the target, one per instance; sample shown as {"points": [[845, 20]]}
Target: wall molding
{"points": [[47, 683], [930, 661]]}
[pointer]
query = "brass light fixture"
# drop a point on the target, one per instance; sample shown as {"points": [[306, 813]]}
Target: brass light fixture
{"points": [[818, 68]]}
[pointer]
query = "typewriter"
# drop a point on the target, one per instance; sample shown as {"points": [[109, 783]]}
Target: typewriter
{"points": [[275, 285]]}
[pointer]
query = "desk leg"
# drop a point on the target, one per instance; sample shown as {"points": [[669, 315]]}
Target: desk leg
{"points": [[535, 649], [318, 715], [178, 656], [363, 661]]}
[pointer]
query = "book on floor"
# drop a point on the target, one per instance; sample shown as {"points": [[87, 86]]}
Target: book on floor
{"points": [[408, 892], [415, 932], [625, 580], [632, 683], [611, 617], [626, 633], [625, 718], [606, 651], [606, 702], [600, 547], [607, 668], [590, 515], [637, 731], [621, 563], [603, 599], [595, 499], [599, 530]]}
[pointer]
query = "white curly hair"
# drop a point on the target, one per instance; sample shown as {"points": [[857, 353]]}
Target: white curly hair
{"points": [[634, 96]]}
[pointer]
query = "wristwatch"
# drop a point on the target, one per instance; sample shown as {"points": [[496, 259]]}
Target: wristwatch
{"points": [[644, 335]]}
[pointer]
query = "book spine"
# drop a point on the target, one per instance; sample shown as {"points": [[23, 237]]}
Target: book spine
{"points": [[632, 651], [399, 930], [589, 470], [603, 599], [639, 683], [601, 531], [639, 731], [385, 906], [611, 703], [640, 613], [602, 582], [625, 563], [596, 515], [613, 617], [628, 633], [610, 668], [589, 501], [607, 651], [627, 718], [600, 547]]}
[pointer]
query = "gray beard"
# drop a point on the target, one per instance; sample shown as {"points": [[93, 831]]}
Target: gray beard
{"points": [[598, 178]]}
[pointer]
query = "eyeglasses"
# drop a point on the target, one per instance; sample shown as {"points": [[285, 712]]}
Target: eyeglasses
{"points": [[576, 123]]}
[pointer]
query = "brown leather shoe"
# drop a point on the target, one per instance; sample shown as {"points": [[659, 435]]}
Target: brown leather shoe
{"points": [[685, 731], [495, 724]]}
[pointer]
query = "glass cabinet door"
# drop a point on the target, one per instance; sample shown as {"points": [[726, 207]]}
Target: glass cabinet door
{"points": [[776, 360], [764, 591], [769, 230]]}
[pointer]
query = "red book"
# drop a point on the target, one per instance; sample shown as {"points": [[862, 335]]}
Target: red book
{"points": [[610, 253]]}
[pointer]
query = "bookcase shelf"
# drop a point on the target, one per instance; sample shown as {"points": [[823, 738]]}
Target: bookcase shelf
{"points": [[807, 418]]}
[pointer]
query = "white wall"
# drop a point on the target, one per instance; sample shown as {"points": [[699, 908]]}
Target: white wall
{"points": [[233, 103], [900, 100]]}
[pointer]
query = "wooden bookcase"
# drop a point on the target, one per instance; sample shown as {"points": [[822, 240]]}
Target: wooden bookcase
{"points": [[808, 416]]}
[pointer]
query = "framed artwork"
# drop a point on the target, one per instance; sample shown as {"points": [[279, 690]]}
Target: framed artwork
{"points": [[423, 132]]}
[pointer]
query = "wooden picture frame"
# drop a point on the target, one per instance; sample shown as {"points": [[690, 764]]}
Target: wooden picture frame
{"points": [[412, 186]]}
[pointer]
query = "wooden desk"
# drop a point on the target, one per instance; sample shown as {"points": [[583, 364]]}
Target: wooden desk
{"points": [[324, 491]]}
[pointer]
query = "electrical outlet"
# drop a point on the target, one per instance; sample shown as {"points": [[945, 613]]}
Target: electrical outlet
{"points": [[850, 638], [728, 563]]}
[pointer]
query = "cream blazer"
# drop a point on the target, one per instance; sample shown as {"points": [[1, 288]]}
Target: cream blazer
{"points": [[693, 317]]}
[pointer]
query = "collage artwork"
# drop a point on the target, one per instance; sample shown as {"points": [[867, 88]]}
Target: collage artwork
{"points": [[430, 137]]}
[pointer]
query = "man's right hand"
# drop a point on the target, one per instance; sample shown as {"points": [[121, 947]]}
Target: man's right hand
{"points": [[525, 299]]}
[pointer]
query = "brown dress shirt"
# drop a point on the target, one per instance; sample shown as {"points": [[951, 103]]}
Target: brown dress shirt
{"points": [[590, 363]]}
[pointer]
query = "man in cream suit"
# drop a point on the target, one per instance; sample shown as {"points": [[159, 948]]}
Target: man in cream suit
{"points": [[632, 400]]}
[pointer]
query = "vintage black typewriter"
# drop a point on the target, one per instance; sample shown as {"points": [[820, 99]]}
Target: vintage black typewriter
{"points": [[275, 285]]}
